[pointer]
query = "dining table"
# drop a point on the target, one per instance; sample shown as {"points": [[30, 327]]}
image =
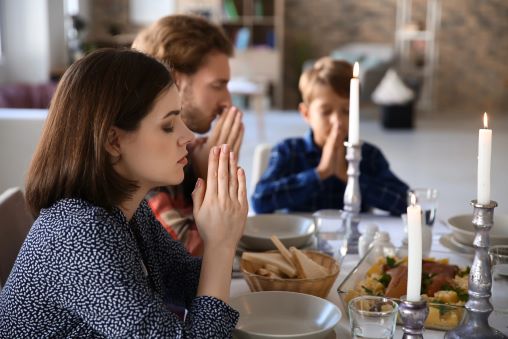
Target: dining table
{"points": [[395, 227]]}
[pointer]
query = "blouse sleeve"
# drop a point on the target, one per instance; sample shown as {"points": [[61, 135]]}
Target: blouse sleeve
{"points": [[104, 285]]}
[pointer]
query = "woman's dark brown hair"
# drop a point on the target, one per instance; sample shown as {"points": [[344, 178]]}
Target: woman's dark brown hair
{"points": [[106, 88]]}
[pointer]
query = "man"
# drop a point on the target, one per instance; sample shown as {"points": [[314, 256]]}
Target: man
{"points": [[198, 53]]}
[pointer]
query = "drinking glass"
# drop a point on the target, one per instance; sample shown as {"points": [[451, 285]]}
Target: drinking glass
{"points": [[372, 317], [499, 265], [427, 199], [330, 232]]}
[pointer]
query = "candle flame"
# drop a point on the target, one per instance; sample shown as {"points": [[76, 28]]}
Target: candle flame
{"points": [[485, 120], [413, 199], [356, 70]]}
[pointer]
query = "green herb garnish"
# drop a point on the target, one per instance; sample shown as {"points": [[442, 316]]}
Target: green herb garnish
{"points": [[442, 307], [390, 262], [426, 281], [385, 279], [464, 272], [368, 290], [461, 294]]}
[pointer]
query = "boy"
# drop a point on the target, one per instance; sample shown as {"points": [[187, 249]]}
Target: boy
{"points": [[310, 173], [198, 52]]}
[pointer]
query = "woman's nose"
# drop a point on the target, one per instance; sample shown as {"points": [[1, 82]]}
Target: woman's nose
{"points": [[186, 137]]}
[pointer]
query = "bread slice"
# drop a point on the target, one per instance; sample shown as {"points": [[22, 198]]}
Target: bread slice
{"points": [[275, 259], [306, 267], [282, 249]]}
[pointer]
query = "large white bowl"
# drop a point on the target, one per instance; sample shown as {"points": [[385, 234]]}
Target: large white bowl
{"points": [[281, 314], [463, 229], [292, 230]]}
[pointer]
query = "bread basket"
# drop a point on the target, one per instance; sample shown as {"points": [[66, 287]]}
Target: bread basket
{"points": [[317, 286]]}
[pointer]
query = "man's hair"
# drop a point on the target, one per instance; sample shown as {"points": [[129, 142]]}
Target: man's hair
{"points": [[183, 41], [328, 72], [104, 89]]}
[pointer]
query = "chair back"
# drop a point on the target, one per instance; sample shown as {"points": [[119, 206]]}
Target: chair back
{"points": [[259, 163], [15, 222]]}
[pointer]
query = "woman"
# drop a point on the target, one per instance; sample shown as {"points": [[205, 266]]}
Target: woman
{"points": [[96, 263]]}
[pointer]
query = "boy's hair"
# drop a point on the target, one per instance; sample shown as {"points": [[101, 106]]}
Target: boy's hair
{"points": [[183, 41], [107, 88], [328, 72]]}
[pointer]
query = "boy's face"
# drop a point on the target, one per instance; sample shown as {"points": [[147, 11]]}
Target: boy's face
{"points": [[325, 108]]}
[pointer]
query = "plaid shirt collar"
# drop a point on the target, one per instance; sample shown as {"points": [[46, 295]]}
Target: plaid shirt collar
{"points": [[310, 145]]}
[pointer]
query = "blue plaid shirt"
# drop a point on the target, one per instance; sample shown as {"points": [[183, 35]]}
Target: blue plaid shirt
{"points": [[291, 182]]}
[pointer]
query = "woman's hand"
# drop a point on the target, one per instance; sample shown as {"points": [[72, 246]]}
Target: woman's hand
{"points": [[220, 211], [220, 206]]}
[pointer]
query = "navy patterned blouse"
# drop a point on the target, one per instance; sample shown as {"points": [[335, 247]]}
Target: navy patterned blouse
{"points": [[291, 182], [85, 272]]}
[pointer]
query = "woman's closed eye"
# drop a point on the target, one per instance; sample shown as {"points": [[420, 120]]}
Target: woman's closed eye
{"points": [[168, 128]]}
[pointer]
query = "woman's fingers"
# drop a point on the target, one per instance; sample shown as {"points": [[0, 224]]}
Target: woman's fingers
{"points": [[233, 177], [223, 173], [213, 167], [198, 195], [242, 190]]}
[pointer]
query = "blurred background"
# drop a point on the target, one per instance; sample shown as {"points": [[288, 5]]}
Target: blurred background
{"points": [[452, 52]]}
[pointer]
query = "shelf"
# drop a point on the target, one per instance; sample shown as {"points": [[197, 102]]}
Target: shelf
{"points": [[415, 35]]}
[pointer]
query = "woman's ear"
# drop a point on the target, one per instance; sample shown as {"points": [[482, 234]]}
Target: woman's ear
{"points": [[113, 143], [304, 111]]}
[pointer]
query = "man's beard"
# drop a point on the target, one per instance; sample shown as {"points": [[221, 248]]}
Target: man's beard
{"points": [[195, 119]]}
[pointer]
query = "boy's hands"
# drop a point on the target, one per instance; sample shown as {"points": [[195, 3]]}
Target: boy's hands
{"points": [[220, 206], [333, 159], [228, 130]]}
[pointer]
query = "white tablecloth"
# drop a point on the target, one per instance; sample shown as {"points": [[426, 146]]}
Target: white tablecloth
{"points": [[395, 227]]}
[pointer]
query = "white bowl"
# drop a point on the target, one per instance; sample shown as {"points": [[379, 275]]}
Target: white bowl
{"points": [[463, 229], [292, 230], [281, 314]]}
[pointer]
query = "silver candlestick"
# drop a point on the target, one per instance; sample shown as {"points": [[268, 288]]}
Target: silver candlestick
{"points": [[478, 306], [413, 315], [352, 196]]}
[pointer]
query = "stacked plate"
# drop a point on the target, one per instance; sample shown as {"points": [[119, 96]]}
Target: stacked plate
{"points": [[280, 314], [292, 230], [463, 232]]}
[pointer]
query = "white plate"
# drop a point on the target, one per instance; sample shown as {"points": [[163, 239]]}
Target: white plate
{"points": [[463, 229], [292, 230], [281, 314], [449, 242]]}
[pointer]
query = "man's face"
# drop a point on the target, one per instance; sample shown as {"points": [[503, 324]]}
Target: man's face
{"points": [[325, 108], [205, 93]]}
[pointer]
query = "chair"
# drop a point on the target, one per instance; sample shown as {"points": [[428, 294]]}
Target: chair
{"points": [[259, 163], [15, 222]]}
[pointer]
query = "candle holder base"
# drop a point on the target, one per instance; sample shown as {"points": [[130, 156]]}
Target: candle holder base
{"points": [[413, 315]]}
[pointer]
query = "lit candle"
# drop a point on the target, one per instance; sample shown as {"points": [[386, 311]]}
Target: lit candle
{"points": [[354, 106], [484, 155], [414, 265]]}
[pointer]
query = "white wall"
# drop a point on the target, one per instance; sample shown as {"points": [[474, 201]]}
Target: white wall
{"points": [[56, 26], [25, 41], [20, 130]]}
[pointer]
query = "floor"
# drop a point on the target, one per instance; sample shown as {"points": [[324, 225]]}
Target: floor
{"points": [[440, 152]]}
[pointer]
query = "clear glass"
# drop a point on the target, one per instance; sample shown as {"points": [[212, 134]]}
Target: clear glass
{"points": [[427, 199], [372, 317], [499, 265], [330, 232]]}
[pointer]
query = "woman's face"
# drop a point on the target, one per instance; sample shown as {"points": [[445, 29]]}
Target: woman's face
{"points": [[155, 154]]}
